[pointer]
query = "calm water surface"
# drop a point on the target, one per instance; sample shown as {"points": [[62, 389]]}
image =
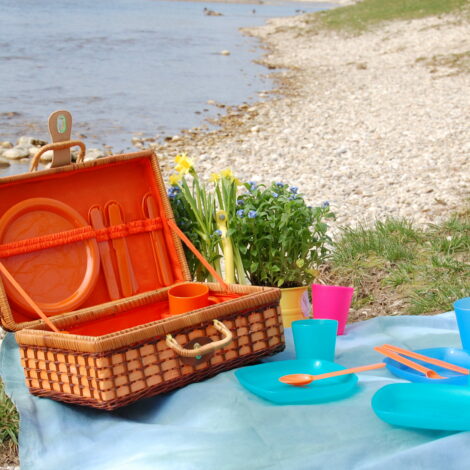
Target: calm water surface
{"points": [[125, 66]]}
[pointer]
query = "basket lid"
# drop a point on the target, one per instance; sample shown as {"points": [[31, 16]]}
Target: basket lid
{"points": [[78, 236]]}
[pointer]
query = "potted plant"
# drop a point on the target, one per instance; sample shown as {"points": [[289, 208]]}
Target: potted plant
{"points": [[281, 241]]}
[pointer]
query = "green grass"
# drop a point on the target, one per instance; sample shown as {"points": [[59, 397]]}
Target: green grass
{"points": [[369, 13], [400, 269], [457, 62], [9, 422]]}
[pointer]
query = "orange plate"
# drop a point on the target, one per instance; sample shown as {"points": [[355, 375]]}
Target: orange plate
{"points": [[58, 279]]}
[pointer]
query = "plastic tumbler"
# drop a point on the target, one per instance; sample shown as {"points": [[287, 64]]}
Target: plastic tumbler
{"points": [[462, 313], [315, 339], [332, 302], [183, 298]]}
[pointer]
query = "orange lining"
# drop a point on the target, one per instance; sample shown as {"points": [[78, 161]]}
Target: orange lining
{"points": [[126, 179], [79, 234]]}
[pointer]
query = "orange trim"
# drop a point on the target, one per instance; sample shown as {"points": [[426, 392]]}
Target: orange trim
{"points": [[198, 255], [79, 234]]}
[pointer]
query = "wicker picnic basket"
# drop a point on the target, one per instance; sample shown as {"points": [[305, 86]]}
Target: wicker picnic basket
{"points": [[109, 353]]}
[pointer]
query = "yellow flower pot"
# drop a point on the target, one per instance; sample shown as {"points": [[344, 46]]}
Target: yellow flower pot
{"points": [[291, 304]]}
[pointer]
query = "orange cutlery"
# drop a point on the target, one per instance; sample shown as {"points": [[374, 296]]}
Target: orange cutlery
{"points": [[150, 210], [127, 277]]}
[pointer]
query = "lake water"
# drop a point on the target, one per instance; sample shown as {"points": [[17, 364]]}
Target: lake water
{"points": [[126, 66]]}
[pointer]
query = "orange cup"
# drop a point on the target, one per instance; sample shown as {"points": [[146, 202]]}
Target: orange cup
{"points": [[186, 297]]}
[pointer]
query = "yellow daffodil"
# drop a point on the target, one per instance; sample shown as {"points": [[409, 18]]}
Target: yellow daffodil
{"points": [[183, 163], [175, 179], [214, 177], [227, 173]]}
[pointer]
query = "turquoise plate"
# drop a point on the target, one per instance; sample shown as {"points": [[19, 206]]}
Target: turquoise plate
{"points": [[263, 381], [425, 406]]}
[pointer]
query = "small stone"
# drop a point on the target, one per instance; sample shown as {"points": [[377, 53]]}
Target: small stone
{"points": [[93, 154], [6, 145], [16, 153], [4, 163], [225, 52], [27, 141], [341, 150], [47, 156], [33, 151], [24, 160], [175, 138], [136, 140], [208, 12]]}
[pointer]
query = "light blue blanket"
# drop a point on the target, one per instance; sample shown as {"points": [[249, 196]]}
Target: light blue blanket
{"points": [[217, 425]]}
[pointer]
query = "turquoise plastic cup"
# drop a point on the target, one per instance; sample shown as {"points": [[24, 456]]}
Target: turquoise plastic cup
{"points": [[315, 339], [462, 313]]}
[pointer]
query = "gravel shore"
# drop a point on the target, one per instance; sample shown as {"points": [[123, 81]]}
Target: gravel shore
{"points": [[377, 124]]}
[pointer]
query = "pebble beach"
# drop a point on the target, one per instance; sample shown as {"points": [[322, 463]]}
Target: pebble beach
{"points": [[375, 124]]}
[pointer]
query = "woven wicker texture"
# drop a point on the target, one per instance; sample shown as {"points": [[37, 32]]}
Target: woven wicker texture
{"points": [[121, 376]]}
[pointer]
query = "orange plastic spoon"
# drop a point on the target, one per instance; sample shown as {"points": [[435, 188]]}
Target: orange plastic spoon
{"points": [[151, 209], [299, 380]]}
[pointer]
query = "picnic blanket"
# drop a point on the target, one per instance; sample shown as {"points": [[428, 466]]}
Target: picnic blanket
{"points": [[217, 425]]}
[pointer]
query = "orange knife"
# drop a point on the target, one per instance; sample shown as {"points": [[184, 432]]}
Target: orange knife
{"points": [[129, 284], [96, 219]]}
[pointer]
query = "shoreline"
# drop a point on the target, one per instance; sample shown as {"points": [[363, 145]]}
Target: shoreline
{"points": [[365, 122], [368, 123], [271, 2]]}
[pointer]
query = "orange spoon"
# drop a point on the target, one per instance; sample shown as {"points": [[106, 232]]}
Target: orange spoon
{"points": [[299, 380], [151, 211]]}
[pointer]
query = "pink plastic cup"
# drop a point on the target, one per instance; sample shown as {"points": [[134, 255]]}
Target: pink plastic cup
{"points": [[332, 303]]}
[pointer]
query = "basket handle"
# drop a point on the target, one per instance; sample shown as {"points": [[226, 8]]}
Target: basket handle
{"points": [[58, 146], [207, 348]]}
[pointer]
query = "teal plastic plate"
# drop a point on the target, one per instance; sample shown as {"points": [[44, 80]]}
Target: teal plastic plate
{"points": [[426, 406], [262, 380]]}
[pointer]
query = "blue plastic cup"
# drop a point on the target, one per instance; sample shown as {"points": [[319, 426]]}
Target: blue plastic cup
{"points": [[462, 312], [315, 339]]}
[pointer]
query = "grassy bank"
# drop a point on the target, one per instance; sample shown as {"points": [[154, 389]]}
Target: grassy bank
{"points": [[397, 268], [368, 13], [9, 421]]}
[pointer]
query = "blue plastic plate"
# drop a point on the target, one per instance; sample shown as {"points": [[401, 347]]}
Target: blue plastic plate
{"points": [[262, 380], [458, 357], [425, 406]]}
